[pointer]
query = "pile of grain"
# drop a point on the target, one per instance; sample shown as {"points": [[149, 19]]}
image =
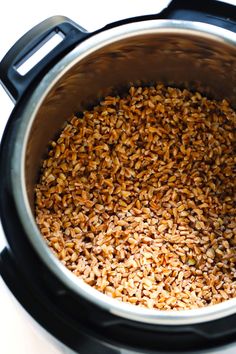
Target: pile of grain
{"points": [[137, 198]]}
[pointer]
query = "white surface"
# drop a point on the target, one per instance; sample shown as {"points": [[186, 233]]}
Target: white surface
{"points": [[17, 333], [16, 18]]}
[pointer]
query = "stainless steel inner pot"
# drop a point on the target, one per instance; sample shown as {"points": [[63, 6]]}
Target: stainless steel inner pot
{"points": [[186, 54]]}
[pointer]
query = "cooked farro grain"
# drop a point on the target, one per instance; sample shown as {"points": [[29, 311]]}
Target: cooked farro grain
{"points": [[137, 198]]}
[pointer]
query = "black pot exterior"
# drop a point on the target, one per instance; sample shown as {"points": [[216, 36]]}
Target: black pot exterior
{"points": [[75, 321]]}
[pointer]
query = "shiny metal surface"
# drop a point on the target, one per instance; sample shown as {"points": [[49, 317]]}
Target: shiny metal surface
{"points": [[186, 54]]}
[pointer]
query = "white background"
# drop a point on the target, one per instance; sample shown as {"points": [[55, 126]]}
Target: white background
{"points": [[16, 18]]}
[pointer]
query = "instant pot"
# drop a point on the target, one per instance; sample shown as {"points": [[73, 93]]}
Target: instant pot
{"points": [[191, 45]]}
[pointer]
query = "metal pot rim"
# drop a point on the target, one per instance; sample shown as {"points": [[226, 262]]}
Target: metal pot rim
{"points": [[90, 45]]}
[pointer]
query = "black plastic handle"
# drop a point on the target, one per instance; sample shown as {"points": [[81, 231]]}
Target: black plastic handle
{"points": [[15, 83], [209, 11]]}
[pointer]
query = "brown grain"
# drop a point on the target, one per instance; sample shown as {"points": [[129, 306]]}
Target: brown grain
{"points": [[137, 198]]}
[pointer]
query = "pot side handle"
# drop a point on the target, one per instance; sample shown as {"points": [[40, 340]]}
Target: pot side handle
{"points": [[213, 12], [208, 11], [14, 82]]}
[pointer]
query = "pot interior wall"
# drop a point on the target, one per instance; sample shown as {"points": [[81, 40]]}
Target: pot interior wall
{"points": [[194, 61]]}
